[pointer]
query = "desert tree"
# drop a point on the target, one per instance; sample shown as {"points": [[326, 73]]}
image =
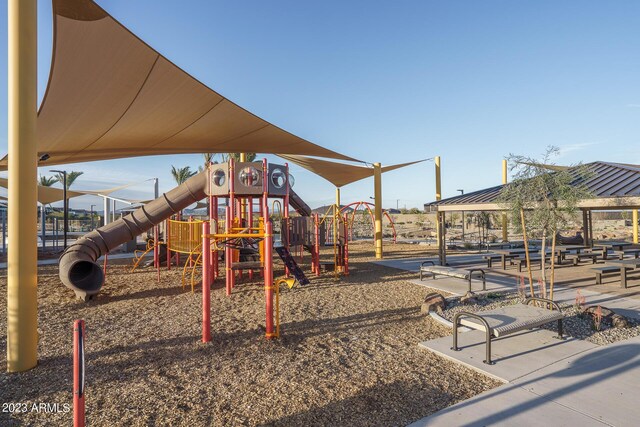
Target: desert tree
{"points": [[543, 199]]}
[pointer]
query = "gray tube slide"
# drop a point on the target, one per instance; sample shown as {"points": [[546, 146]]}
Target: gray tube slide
{"points": [[78, 269]]}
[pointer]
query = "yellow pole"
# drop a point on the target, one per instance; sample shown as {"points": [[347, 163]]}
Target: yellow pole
{"points": [[22, 288], [505, 234], [377, 184], [438, 197], [635, 225], [338, 197]]}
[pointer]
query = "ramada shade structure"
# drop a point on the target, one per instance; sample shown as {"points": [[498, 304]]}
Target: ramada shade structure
{"points": [[613, 186], [339, 174], [110, 95]]}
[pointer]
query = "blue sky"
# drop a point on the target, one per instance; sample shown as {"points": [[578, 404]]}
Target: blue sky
{"points": [[396, 81]]}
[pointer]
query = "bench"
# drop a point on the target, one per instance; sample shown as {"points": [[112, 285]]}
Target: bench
{"points": [[466, 274], [576, 258], [491, 258], [611, 269], [522, 262], [621, 254], [507, 320]]}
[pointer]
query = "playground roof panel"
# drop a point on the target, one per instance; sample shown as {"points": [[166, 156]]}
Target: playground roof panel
{"points": [[613, 185], [339, 174], [110, 95]]}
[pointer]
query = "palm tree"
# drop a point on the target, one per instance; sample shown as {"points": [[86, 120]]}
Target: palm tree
{"points": [[208, 159], [47, 181], [182, 174], [236, 156], [71, 177]]}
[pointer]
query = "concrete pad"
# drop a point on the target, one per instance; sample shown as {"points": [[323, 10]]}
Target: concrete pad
{"points": [[603, 383], [413, 264], [515, 355], [508, 405]]}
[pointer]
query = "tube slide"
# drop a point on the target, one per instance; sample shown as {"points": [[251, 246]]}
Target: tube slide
{"points": [[298, 204], [78, 268]]}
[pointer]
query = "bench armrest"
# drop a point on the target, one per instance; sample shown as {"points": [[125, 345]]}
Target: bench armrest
{"points": [[545, 300], [425, 262], [476, 270]]}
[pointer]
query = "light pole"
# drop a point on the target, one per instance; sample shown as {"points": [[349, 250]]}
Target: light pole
{"points": [[462, 193], [397, 204], [65, 202], [92, 216]]}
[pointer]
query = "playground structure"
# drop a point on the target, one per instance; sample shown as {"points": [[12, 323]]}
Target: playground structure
{"points": [[243, 241], [366, 207]]}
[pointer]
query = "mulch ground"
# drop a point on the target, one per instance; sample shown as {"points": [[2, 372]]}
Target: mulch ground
{"points": [[348, 353]]}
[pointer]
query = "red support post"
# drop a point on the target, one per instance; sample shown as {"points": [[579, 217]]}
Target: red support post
{"points": [[346, 245], [268, 278], [317, 224], [104, 265], [78, 373], [206, 283], [214, 228], [228, 253], [167, 236]]}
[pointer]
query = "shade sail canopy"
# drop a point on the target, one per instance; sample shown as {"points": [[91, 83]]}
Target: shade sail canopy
{"points": [[47, 195], [612, 185], [110, 95], [339, 174]]}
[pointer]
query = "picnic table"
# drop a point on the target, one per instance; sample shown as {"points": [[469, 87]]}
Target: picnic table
{"points": [[506, 253], [611, 245], [625, 264]]}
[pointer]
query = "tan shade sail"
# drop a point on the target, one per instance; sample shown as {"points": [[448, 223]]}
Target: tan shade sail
{"points": [[47, 195], [339, 174], [110, 95]]}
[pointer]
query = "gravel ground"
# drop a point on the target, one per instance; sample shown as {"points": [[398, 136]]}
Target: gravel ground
{"points": [[575, 324], [348, 354]]}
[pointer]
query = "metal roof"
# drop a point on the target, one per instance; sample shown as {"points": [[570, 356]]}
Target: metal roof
{"points": [[609, 181]]}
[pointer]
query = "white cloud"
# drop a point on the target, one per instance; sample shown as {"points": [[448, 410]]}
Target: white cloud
{"points": [[570, 148]]}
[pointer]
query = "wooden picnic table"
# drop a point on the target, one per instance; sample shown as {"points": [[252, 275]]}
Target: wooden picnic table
{"points": [[611, 245], [625, 264]]}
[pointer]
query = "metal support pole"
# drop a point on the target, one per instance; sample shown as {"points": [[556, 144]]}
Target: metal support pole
{"points": [[43, 229], [206, 283], [65, 202], [4, 231], [505, 234], [22, 274], [228, 253], [438, 216], [377, 185], [634, 218], [268, 278], [156, 232], [107, 211]]}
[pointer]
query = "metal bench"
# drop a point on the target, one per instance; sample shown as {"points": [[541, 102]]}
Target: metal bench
{"points": [[490, 258], [508, 320], [622, 253], [466, 274], [576, 258], [522, 262]]}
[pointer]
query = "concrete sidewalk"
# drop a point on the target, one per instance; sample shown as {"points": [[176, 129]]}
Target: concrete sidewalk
{"points": [[594, 388]]}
